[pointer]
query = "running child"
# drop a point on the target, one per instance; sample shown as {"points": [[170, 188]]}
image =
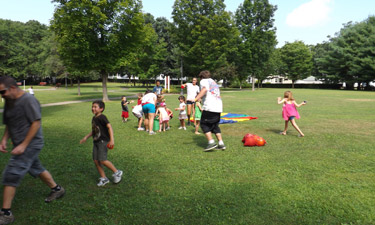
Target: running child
{"points": [[182, 116], [211, 110], [102, 134], [290, 112], [197, 116]]}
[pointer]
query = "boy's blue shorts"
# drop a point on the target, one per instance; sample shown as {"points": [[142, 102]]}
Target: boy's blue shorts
{"points": [[148, 108]]}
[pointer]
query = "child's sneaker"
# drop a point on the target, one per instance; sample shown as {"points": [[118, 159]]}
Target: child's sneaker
{"points": [[168, 128], [152, 133], [117, 176], [4, 219], [221, 147], [180, 128], [184, 128], [141, 128], [210, 147], [103, 181]]}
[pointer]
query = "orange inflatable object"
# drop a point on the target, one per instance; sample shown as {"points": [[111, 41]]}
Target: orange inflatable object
{"points": [[110, 146], [253, 140]]}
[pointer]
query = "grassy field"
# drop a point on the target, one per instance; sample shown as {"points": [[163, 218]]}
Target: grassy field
{"points": [[326, 177]]}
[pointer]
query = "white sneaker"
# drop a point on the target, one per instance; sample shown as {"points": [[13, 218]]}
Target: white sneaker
{"points": [[168, 128], [141, 128], [103, 181], [180, 128], [152, 133], [184, 128], [117, 176]]}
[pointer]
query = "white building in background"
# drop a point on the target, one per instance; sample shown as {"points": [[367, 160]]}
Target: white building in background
{"points": [[284, 80]]}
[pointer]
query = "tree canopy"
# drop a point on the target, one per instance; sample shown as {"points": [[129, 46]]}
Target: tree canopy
{"points": [[94, 35]]}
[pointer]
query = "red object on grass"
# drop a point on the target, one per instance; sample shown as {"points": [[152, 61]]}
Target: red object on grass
{"points": [[182, 86], [110, 146], [253, 140]]}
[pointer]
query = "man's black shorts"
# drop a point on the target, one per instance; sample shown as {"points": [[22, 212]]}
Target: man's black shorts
{"points": [[210, 122]]}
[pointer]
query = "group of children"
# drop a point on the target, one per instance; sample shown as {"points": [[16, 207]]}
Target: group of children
{"points": [[102, 131], [163, 114]]}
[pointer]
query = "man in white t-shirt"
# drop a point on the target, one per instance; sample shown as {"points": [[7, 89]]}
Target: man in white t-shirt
{"points": [[192, 91], [212, 108]]}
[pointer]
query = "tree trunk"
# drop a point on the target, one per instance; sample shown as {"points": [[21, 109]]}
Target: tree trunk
{"points": [[104, 86], [253, 83], [79, 87], [293, 84], [182, 72]]}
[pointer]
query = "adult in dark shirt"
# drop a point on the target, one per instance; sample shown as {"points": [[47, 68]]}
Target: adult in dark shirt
{"points": [[22, 119]]}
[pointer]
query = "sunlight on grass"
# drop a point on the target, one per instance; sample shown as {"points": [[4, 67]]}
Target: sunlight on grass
{"points": [[326, 177]]}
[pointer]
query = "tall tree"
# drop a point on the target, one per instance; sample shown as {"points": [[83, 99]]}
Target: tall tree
{"points": [[205, 35], [93, 35], [349, 57], [147, 61], [254, 19], [297, 61], [20, 48]]}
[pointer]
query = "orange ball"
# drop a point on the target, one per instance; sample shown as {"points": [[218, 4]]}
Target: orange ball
{"points": [[261, 141]]}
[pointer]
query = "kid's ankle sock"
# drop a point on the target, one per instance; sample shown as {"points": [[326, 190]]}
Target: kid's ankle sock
{"points": [[57, 188], [211, 141], [221, 142], [7, 212]]}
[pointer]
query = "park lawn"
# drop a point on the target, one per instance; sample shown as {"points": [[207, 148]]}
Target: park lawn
{"points": [[326, 177]]}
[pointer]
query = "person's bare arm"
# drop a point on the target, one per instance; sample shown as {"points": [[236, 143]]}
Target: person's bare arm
{"points": [[299, 105], [84, 139], [280, 100], [4, 140], [111, 137], [20, 149], [201, 94]]}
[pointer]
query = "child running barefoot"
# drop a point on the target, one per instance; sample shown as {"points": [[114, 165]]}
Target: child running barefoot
{"points": [[290, 112], [163, 116], [198, 114], [102, 134], [182, 116]]}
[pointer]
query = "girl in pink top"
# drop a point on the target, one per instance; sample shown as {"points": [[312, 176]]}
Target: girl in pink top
{"points": [[290, 112]]}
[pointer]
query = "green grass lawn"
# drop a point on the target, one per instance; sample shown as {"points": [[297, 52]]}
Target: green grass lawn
{"points": [[326, 177]]}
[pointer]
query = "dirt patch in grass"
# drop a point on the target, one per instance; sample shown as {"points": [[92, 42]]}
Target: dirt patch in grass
{"points": [[361, 100]]}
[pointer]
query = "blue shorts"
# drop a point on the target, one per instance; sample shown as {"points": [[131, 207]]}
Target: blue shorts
{"points": [[148, 108], [292, 117]]}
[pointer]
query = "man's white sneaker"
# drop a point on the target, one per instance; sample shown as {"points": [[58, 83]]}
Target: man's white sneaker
{"points": [[117, 176], [103, 181]]}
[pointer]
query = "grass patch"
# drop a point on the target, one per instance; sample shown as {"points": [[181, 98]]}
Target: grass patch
{"points": [[325, 178]]}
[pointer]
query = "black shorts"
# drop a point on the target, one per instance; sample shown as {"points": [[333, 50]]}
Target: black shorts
{"points": [[210, 122], [190, 102]]}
